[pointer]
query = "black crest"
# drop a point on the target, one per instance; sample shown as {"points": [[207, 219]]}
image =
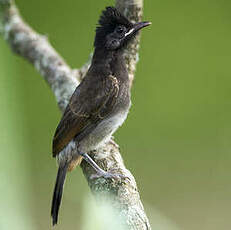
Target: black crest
{"points": [[109, 19], [111, 16]]}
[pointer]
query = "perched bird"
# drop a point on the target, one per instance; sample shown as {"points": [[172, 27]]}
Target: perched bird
{"points": [[100, 103]]}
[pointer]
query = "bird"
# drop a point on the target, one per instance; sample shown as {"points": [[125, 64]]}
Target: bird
{"points": [[99, 104]]}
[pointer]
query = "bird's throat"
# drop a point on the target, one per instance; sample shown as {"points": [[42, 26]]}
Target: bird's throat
{"points": [[110, 60]]}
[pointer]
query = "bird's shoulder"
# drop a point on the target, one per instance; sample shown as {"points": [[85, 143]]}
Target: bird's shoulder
{"points": [[92, 92]]}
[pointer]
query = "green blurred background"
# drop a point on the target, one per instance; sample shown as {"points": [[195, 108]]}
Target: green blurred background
{"points": [[176, 140]]}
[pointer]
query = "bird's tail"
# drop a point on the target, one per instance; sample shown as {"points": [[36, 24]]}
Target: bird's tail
{"points": [[58, 191]]}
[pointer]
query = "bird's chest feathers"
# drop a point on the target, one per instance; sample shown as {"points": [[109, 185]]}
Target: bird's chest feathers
{"points": [[113, 122], [104, 130]]}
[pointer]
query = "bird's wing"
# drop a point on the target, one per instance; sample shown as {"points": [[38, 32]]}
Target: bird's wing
{"points": [[88, 105]]}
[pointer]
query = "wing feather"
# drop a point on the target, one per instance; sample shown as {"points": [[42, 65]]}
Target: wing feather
{"points": [[88, 105]]}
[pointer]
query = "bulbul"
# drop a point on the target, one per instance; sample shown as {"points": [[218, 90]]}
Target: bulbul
{"points": [[100, 103]]}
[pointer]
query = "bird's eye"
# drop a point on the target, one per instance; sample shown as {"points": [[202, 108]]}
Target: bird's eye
{"points": [[120, 29]]}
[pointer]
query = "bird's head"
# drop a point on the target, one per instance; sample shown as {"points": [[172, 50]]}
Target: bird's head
{"points": [[115, 30]]}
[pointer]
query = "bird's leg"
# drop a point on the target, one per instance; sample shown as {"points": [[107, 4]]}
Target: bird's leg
{"points": [[99, 172], [88, 159]]}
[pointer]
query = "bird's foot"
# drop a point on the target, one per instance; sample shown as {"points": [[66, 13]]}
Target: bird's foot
{"points": [[108, 175]]}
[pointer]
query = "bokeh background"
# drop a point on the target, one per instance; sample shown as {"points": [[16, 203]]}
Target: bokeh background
{"points": [[176, 140]]}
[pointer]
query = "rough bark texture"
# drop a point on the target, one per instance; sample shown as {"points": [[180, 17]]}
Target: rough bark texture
{"points": [[63, 80]]}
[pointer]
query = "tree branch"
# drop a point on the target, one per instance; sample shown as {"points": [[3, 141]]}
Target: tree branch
{"points": [[63, 80]]}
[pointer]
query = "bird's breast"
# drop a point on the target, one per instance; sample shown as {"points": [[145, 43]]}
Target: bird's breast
{"points": [[103, 131]]}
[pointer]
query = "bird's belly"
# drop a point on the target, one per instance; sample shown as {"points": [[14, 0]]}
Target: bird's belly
{"points": [[100, 135], [103, 132]]}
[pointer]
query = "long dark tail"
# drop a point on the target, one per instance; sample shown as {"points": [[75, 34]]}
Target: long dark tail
{"points": [[58, 191]]}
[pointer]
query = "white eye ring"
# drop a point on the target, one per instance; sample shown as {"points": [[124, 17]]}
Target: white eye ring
{"points": [[129, 32]]}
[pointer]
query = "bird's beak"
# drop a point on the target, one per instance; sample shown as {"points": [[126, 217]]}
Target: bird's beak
{"points": [[140, 25], [136, 27]]}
